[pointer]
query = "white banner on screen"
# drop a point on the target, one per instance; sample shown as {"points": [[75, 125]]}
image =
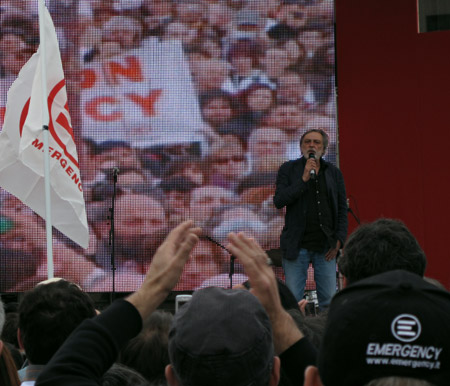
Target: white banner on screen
{"points": [[144, 96]]}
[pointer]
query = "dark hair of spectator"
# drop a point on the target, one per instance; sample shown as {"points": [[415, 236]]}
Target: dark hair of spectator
{"points": [[148, 352], [47, 316], [245, 48], [320, 63], [381, 246], [9, 333], [211, 95], [120, 375], [244, 94]]}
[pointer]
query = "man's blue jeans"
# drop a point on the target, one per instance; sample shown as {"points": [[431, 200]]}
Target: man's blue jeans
{"points": [[296, 271]]}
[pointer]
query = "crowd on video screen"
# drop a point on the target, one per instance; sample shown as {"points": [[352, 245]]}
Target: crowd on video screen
{"points": [[196, 103]]}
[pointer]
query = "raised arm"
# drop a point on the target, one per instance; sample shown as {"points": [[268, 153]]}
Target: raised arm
{"points": [[295, 351], [94, 346]]}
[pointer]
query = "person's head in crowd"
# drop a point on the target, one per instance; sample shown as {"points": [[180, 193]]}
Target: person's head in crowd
{"points": [[228, 164], [210, 47], [242, 211], [86, 150], [207, 198], [312, 39], [321, 16], [190, 12], [48, 314], [380, 246], [257, 99], [218, 17], [324, 59], [221, 358], [246, 24], [210, 74], [122, 30], [9, 319], [267, 149], [155, 15], [256, 229], [148, 352], [292, 89], [324, 122], [293, 14], [393, 329], [16, 263], [289, 117], [206, 260], [256, 188], [128, 178], [11, 324], [19, 22], [266, 8], [296, 53], [216, 107], [22, 253], [140, 226], [110, 154], [243, 56], [190, 167], [14, 53], [176, 197], [274, 62], [121, 375], [176, 30]]}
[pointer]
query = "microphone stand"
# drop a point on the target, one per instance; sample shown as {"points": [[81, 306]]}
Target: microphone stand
{"points": [[232, 258], [354, 215], [112, 234], [349, 210]]}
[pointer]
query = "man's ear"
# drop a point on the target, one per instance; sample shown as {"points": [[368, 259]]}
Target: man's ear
{"points": [[344, 282], [312, 377], [275, 374], [171, 378], [1, 347]]}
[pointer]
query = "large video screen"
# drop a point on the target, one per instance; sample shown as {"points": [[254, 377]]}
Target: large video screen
{"points": [[196, 103]]}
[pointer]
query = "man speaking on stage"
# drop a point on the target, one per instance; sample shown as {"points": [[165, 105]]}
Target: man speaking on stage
{"points": [[313, 192]]}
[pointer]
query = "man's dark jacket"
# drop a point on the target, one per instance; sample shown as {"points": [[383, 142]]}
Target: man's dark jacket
{"points": [[291, 191]]}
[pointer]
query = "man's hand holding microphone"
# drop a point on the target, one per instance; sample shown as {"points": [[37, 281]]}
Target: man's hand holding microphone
{"points": [[311, 167]]}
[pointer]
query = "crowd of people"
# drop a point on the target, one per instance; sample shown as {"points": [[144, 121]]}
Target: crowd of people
{"points": [[387, 327], [261, 73], [191, 196]]}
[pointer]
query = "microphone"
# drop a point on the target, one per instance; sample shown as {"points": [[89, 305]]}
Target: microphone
{"points": [[116, 170], [312, 172]]}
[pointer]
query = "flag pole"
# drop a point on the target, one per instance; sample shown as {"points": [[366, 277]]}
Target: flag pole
{"points": [[45, 123]]}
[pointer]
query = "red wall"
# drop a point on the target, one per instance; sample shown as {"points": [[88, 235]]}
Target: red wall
{"points": [[394, 127]]}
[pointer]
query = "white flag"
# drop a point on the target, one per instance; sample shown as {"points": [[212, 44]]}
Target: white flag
{"points": [[22, 147]]}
